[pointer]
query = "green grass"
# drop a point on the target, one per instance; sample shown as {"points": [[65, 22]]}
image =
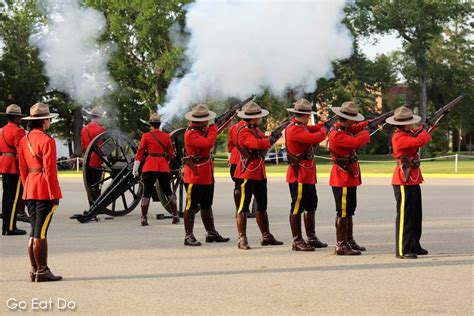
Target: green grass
{"points": [[445, 166]]}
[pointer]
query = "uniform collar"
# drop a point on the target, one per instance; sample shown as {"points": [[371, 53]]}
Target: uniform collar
{"points": [[13, 124]]}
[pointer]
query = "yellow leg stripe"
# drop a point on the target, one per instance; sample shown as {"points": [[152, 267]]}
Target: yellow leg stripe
{"points": [[402, 221], [344, 202], [242, 196], [188, 196], [15, 202], [298, 199], [46, 222]]}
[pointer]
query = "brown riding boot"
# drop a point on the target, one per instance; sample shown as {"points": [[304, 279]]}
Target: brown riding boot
{"points": [[189, 239], [208, 221], [309, 224], [342, 247], [242, 229], [145, 205], [350, 237], [40, 251], [262, 222], [298, 242], [174, 209], [34, 267]]}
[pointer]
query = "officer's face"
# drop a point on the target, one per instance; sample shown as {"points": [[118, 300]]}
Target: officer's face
{"points": [[256, 121], [303, 119], [46, 124]]}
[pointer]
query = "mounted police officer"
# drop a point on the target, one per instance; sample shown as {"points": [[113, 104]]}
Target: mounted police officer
{"points": [[12, 202], [38, 171], [301, 174], [252, 180], [406, 181], [156, 148], [199, 139], [88, 133], [349, 134]]}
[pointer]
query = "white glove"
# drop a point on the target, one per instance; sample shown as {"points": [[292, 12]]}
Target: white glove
{"points": [[136, 165]]}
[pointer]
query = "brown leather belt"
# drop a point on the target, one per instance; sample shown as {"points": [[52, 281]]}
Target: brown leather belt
{"points": [[35, 170], [9, 154], [199, 159], [156, 155]]}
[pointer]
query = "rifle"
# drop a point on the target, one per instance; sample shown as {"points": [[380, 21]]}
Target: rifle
{"points": [[374, 123], [224, 119], [433, 120], [329, 123], [278, 131]]}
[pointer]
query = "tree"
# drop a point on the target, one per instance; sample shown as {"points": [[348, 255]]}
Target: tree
{"points": [[21, 79], [417, 22]]}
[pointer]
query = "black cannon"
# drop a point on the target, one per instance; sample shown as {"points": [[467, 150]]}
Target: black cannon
{"points": [[120, 191]]}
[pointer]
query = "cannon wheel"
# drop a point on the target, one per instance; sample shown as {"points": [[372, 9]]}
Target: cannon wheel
{"points": [[176, 166], [117, 152]]}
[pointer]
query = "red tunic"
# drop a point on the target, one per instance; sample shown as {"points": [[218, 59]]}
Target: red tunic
{"points": [[153, 149], [88, 133], [300, 139], [198, 144], [39, 185], [343, 143], [406, 144], [255, 166], [231, 141], [10, 137]]}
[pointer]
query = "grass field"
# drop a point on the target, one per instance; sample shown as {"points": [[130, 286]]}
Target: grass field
{"points": [[444, 166]]}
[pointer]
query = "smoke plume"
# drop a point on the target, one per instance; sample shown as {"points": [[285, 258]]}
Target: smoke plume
{"points": [[239, 47], [74, 61]]}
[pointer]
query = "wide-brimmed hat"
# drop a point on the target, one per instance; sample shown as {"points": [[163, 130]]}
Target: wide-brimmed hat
{"points": [[252, 110], [13, 109], [348, 110], [403, 116], [155, 118], [96, 111], [200, 113], [40, 111], [302, 106]]}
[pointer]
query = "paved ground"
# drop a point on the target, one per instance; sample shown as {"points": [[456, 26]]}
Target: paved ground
{"points": [[118, 267]]}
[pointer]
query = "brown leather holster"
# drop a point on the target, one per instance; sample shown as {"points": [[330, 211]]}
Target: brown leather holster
{"points": [[407, 164], [345, 163]]}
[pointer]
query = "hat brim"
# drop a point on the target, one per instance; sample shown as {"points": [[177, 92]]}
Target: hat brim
{"points": [[300, 112], [32, 118], [242, 114], [13, 114], [391, 120], [358, 118], [189, 116], [95, 114]]}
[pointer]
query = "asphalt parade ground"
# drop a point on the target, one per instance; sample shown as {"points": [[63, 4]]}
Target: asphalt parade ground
{"points": [[117, 267]]}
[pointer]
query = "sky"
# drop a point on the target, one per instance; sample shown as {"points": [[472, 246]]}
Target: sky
{"points": [[385, 45]]}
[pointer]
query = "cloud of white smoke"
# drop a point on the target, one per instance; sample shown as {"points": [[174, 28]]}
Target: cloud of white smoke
{"points": [[74, 61], [240, 47]]}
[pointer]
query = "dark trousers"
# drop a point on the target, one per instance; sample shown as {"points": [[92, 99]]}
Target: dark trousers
{"points": [[303, 197], [149, 179], [94, 177], [233, 167], [249, 187], [11, 200], [346, 200], [199, 196], [409, 219], [41, 213]]}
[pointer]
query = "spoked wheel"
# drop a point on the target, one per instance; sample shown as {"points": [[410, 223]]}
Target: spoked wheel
{"points": [[176, 166], [116, 151]]}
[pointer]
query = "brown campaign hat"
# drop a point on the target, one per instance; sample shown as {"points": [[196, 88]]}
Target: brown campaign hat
{"points": [[13, 109], [348, 110], [154, 118], [200, 113], [302, 106], [40, 111], [252, 110], [96, 111], [403, 116]]}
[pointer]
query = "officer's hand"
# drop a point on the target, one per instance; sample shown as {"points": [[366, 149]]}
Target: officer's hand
{"points": [[56, 202], [136, 165], [370, 129]]}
